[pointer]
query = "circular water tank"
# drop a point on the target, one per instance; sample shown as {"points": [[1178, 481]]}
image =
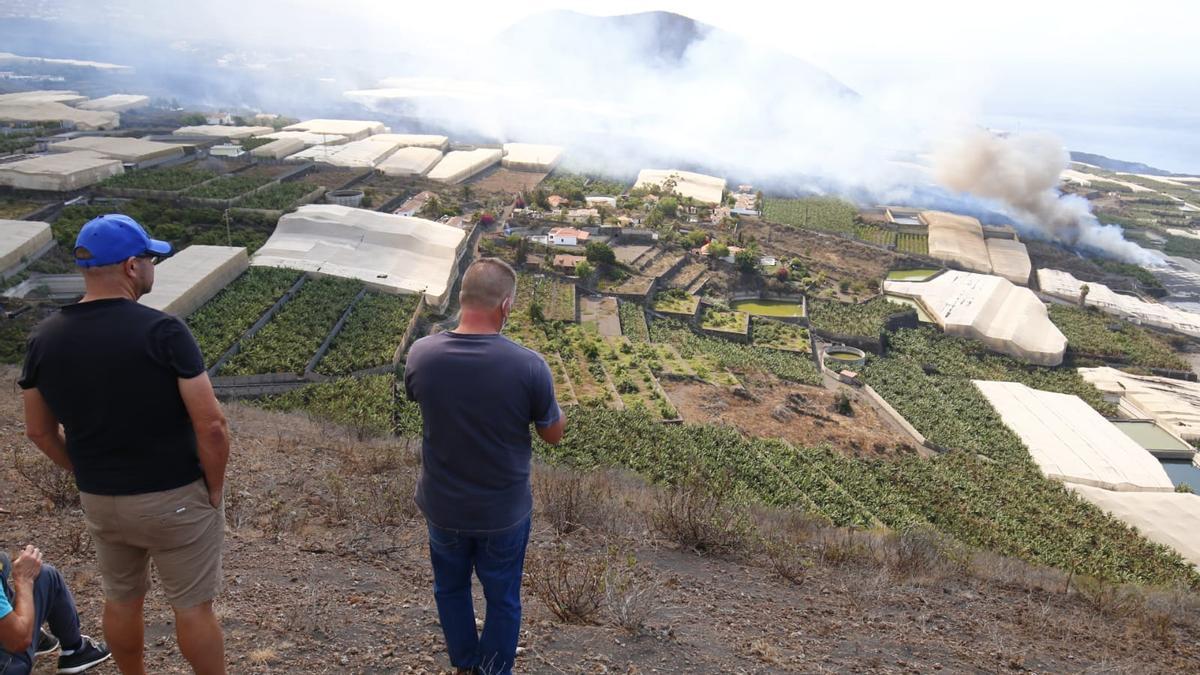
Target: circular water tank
{"points": [[841, 357], [344, 197]]}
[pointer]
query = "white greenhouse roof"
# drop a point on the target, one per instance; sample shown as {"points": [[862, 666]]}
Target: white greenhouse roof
{"points": [[125, 149], [279, 148], [352, 129], [1072, 442], [707, 189], [222, 131], [1064, 285], [957, 238], [1169, 519], [1009, 319], [309, 138], [190, 278], [411, 161], [59, 172], [1010, 259], [460, 165], [1174, 404], [418, 140], [356, 154], [21, 239], [49, 111], [531, 157], [43, 96], [397, 254], [116, 102]]}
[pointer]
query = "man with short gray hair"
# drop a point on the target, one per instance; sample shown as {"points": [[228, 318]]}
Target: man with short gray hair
{"points": [[479, 393]]}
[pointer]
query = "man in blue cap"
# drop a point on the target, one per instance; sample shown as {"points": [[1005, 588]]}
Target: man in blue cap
{"points": [[117, 392]]}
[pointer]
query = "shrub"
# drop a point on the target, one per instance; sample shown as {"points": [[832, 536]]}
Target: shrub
{"points": [[571, 585], [52, 481], [695, 517]]}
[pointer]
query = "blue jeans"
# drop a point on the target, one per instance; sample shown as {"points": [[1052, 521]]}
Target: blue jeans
{"points": [[498, 559], [53, 604]]}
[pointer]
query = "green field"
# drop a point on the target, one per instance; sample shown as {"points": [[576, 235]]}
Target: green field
{"points": [[828, 214], [779, 308]]}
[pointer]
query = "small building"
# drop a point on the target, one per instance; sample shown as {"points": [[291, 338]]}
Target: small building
{"points": [[219, 118], [582, 215], [610, 202], [567, 236], [565, 262], [413, 205], [633, 235], [556, 201], [227, 150]]}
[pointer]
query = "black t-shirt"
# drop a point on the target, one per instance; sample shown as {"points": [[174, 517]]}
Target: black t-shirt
{"points": [[109, 370]]}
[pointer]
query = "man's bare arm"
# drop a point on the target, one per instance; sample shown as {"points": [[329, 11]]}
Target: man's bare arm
{"points": [[16, 628], [212, 432], [553, 434], [41, 426]]}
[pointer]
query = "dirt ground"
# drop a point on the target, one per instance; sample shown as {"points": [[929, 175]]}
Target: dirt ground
{"points": [[800, 414], [326, 571], [507, 182], [601, 313], [839, 258]]}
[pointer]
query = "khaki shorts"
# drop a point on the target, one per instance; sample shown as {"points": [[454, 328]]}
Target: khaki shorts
{"points": [[178, 529]]}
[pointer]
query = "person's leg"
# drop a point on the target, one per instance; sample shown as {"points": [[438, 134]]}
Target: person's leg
{"points": [[125, 576], [500, 564], [200, 638], [451, 554], [124, 632], [56, 606], [186, 549]]}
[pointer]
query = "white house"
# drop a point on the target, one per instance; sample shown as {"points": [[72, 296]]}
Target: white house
{"points": [[567, 236], [610, 202]]}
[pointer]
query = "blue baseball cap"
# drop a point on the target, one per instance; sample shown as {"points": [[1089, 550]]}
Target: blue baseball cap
{"points": [[112, 238]]}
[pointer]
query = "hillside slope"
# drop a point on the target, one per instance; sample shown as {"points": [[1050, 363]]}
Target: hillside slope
{"points": [[326, 571]]}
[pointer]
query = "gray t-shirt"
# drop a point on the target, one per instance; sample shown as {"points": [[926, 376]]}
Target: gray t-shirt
{"points": [[478, 395]]}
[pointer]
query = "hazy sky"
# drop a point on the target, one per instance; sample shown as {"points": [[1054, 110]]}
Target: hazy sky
{"points": [[1111, 77]]}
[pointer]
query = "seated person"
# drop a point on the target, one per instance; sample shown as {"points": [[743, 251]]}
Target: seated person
{"points": [[32, 594]]}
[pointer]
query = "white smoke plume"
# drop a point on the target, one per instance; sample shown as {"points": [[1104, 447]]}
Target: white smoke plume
{"points": [[1021, 172]]}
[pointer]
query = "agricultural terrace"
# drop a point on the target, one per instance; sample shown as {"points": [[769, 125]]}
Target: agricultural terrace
{"points": [[866, 319], [291, 338], [222, 320], [1003, 504], [228, 187], [633, 322], [1010, 509], [1093, 335], [916, 244], [878, 236], [724, 320], [167, 180], [372, 405], [732, 356], [828, 214], [588, 369], [182, 226], [370, 335], [779, 335], [16, 209], [676, 301], [279, 197]]}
